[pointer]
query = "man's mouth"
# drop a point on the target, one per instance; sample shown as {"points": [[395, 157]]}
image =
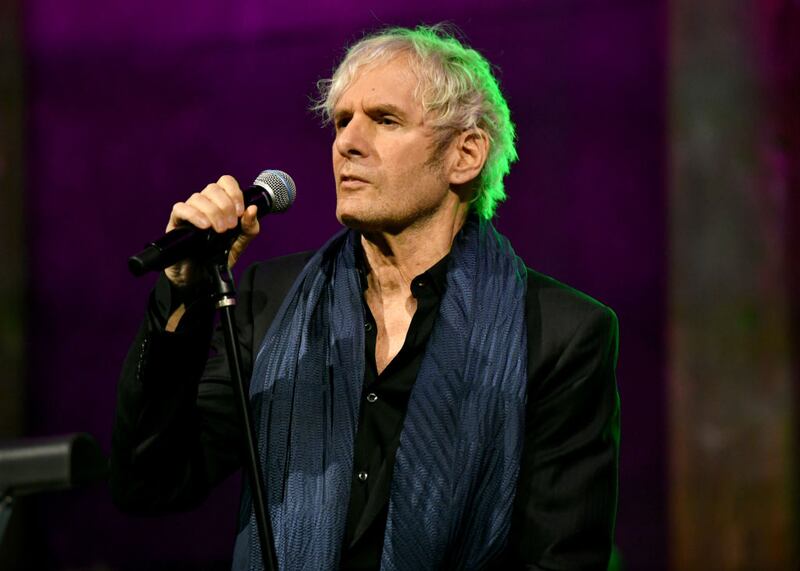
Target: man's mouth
{"points": [[352, 180]]}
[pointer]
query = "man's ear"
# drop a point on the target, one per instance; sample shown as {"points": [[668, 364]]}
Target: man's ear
{"points": [[467, 156]]}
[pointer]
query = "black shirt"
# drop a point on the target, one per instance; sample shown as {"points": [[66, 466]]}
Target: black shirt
{"points": [[384, 401]]}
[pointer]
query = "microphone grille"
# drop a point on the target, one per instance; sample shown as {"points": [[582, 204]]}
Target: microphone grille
{"points": [[280, 186]]}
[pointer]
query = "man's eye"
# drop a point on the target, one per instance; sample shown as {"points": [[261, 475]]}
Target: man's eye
{"points": [[342, 123], [386, 121]]}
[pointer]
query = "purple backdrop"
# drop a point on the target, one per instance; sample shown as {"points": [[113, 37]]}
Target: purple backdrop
{"points": [[135, 106]]}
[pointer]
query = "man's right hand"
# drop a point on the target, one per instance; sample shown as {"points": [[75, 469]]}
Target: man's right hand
{"points": [[219, 206]]}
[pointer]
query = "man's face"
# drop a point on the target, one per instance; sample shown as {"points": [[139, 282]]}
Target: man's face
{"points": [[386, 175]]}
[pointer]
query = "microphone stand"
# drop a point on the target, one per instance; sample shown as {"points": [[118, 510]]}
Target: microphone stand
{"points": [[225, 301]]}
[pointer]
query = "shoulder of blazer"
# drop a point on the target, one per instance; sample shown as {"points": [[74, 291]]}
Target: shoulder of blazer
{"points": [[555, 312], [263, 287], [276, 275]]}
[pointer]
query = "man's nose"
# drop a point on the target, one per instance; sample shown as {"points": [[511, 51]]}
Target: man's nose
{"points": [[352, 140]]}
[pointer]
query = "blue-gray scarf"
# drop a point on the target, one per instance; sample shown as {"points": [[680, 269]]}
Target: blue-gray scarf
{"points": [[456, 467]]}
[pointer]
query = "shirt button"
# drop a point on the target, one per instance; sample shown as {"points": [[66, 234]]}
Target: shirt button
{"points": [[368, 326], [420, 283], [363, 476], [372, 397]]}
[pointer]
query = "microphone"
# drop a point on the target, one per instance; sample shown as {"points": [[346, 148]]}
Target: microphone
{"points": [[272, 191]]}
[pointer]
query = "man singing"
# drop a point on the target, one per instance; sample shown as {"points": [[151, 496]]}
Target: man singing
{"points": [[422, 400]]}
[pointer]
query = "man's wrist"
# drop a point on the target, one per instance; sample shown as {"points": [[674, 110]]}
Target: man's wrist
{"points": [[173, 309]]}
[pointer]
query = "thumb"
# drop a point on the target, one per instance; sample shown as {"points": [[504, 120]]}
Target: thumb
{"points": [[250, 225], [250, 229]]}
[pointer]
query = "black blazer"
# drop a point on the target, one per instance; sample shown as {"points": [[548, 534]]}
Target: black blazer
{"points": [[175, 434]]}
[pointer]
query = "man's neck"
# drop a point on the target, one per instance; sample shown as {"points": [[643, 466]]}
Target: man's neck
{"points": [[396, 259]]}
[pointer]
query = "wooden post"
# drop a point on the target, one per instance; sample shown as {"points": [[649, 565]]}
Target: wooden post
{"points": [[18, 542], [12, 259], [731, 398]]}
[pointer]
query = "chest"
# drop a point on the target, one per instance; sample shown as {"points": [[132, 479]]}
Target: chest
{"points": [[392, 315]]}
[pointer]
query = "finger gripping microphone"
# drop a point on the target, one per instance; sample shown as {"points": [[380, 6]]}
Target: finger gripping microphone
{"points": [[273, 191]]}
